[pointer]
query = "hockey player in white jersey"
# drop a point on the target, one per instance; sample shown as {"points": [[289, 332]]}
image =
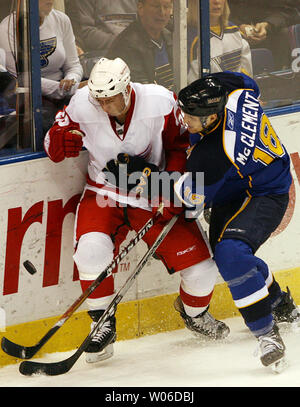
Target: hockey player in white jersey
{"points": [[109, 117]]}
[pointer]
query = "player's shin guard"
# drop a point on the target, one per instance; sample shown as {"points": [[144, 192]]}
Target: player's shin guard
{"points": [[197, 284], [248, 279], [94, 253]]}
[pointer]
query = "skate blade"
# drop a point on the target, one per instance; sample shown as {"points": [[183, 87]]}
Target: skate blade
{"points": [[210, 338], [100, 356], [279, 366]]}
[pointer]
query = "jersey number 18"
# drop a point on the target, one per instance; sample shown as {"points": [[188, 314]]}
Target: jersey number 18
{"points": [[271, 145]]}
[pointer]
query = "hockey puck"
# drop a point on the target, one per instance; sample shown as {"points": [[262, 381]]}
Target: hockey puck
{"points": [[29, 267]]}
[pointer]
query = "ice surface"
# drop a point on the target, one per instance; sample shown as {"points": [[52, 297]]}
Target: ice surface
{"points": [[173, 359]]}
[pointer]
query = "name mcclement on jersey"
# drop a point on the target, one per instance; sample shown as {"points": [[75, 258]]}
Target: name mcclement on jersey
{"points": [[246, 159]]}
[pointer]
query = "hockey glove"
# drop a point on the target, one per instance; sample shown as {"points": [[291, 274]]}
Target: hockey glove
{"points": [[130, 172], [61, 142], [72, 143]]}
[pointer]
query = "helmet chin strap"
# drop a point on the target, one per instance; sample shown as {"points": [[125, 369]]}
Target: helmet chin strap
{"points": [[204, 120], [126, 95]]}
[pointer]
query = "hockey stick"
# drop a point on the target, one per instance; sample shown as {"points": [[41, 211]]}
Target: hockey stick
{"points": [[27, 352], [29, 368]]}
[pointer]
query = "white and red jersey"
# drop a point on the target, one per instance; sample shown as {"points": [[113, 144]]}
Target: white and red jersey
{"points": [[152, 130]]}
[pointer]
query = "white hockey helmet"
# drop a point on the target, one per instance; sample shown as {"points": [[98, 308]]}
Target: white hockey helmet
{"points": [[109, 78]]}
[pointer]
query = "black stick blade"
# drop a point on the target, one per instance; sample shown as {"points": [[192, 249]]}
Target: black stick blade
{"points": [[29, 368], [18, 351]]}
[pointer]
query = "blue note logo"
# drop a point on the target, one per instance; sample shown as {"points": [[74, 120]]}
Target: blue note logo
{"points": [[47, 47]]}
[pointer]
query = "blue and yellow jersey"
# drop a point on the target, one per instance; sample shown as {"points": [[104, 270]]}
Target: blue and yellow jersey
{"points": [[229, 51], [240, 155]]}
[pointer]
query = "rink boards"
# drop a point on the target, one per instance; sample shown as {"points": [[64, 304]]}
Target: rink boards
{"points": [[37, 210]]}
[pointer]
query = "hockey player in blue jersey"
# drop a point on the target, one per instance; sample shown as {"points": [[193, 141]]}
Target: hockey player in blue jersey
{"points": [[246, 184]]}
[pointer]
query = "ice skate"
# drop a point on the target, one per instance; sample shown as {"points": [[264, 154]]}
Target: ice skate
{"points": [[203, 324], [287, 310], [272, 350], [101, 346]]}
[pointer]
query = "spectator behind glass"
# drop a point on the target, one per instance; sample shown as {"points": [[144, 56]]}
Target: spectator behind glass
{"points": [[7, 87], [146, 44], [60, 67], [97, 22], [7, 106], [228, 49], [5, 9], [264, 24]]}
